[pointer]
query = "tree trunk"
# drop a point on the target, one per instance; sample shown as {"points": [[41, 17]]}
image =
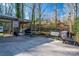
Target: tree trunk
{"points": [[39, 11], [18, 13], [32, 25]]}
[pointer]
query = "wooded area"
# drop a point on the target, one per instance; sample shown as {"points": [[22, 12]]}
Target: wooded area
{"points": [[41, 19]]}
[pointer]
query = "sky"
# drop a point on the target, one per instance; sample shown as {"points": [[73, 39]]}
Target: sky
{"points": [[49, 8]]}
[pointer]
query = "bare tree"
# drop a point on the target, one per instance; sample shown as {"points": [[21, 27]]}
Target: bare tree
{"points": [[1, 8], [55, 13], [39, 11], [32, 25], [69, 12]]}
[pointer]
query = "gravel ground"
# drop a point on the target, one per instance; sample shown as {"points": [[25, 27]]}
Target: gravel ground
{"points": [[37, 46]]}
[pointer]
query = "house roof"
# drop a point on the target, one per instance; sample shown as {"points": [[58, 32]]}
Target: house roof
{"points": [[25, 20], [13, 18], [8, 17]]}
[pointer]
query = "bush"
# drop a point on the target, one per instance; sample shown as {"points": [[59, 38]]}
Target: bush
{"points": [[76, 26]]}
